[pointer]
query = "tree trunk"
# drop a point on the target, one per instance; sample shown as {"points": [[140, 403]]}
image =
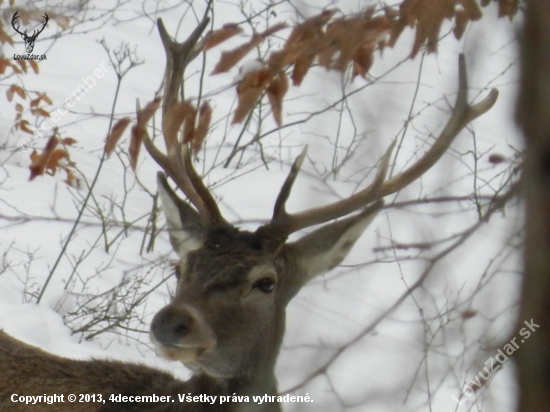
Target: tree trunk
{"points": [[533, 115]]}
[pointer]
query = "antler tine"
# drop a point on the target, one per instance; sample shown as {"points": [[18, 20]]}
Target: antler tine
{"points": [[177, 163], [178, 56], [290, 223], [463, 113], [44, 24], [173, 166], [279, 211], [14, 22]]}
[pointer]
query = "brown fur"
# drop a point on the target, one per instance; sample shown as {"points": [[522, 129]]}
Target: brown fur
{"points": [[29, 371]]}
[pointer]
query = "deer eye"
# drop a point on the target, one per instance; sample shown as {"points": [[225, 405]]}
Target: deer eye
{"points": [[266, 285]]}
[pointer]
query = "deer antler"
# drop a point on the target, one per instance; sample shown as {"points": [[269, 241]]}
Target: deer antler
{"points": [[34, 33], [177, 163], [14, 22], [463, 113], [43, 26]]}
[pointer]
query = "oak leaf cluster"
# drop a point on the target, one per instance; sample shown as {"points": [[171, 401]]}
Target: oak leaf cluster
{"points": [[52, 158], [341, 43]]}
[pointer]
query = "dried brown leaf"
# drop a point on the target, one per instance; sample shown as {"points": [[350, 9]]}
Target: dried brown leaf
{"points": [[139, 131], [145, 114], [371, 34], [219, 36], [461, 22], [173, 120], [391, 13], [41, 97], [203, 124], [362, 61], [249, 92], [40, 161], [506, 8], [22, 64], [301, 67], [138, 134], [275, 93], [273, 29], [62, 21], [71, 178], [279, 59], [4, 64], [247, 101], [471, 9], [427, 17], [230, 58], [189, 125], [15, 89], [4, 37], [69, 141], [45, 97], [38, 111], [15, 68], [53, 160], [309, 29], [116, 133], [338, 33], [302, 44], [496, 158], [24, 126], [344, 41], [34, 66]]}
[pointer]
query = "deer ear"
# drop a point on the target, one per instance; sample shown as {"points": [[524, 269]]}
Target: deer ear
{"points": [[325, 248], [184, 223]]}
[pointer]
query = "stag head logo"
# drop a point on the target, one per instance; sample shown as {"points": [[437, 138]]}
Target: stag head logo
{"points": [[29, 40]]}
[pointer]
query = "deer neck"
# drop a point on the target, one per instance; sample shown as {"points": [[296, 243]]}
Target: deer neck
{"points": [[239, 394]]}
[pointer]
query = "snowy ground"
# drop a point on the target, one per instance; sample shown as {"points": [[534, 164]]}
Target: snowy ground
{"points": [[418, 356]]}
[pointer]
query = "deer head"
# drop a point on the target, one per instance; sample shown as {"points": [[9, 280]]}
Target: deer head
{"points": [[227, 317], [29, 40]]}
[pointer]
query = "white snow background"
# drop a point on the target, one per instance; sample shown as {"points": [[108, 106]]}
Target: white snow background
{"points": [[418, 356]]}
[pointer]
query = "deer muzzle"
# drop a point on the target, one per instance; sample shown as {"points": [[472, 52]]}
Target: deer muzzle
{"points": [[180, 333]]}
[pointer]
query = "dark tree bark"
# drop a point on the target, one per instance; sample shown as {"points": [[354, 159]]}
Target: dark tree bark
{"points": [[533, 115]]}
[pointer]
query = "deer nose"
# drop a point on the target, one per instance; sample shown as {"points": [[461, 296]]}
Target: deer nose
{"points": [[170, 325]]}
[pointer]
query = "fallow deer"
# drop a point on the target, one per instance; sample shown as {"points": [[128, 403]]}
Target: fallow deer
{"points": [[226, 321]]}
